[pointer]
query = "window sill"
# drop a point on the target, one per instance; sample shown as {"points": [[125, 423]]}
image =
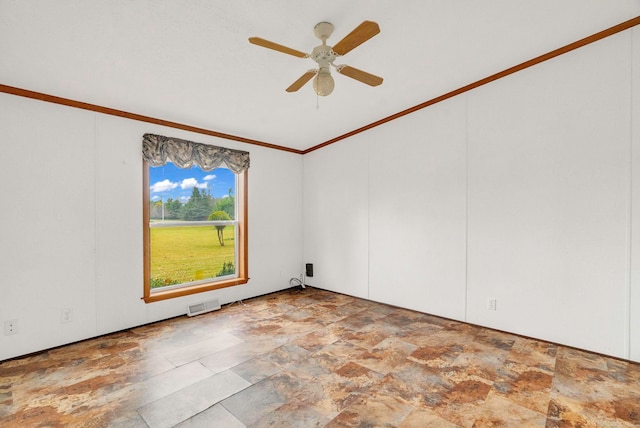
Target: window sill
{"points": [[200, 288]]}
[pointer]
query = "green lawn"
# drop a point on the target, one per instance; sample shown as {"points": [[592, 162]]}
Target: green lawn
{"points": [[189, 253]]}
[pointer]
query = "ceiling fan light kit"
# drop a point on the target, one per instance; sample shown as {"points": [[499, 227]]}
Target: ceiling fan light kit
{"points": [[325, 55], [323, 83]]}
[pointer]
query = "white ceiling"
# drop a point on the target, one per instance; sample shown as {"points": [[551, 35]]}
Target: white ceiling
{"points": [[189, 61]]}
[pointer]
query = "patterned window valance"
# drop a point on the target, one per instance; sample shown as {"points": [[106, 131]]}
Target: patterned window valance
{"points": [[157, 150]]}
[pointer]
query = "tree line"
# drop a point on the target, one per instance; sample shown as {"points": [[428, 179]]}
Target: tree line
{"points": [[199, 207]]}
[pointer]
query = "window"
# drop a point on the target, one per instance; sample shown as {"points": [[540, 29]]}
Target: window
{"points": [[195, 217]]}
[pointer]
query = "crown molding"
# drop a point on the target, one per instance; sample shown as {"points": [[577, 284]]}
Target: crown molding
{"points": [[141, 118], [537, 60]]}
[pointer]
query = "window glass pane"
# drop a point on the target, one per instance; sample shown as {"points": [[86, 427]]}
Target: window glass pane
{"points": [[185, 246], [175, 187]]}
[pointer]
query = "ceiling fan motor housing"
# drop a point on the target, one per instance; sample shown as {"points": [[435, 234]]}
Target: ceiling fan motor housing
{"points": [[323, 55]]}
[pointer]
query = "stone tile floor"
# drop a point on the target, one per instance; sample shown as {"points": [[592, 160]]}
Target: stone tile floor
{"points": [[313, 358]]}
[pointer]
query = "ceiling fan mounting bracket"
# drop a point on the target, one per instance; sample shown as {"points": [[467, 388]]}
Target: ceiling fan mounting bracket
{"points": [[323, 30]]}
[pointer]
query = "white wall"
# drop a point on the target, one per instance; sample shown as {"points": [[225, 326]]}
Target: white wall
{"points": [[634, 303], [48, 238], [71, 224], [417, 211], [524, 190], [519, 190], [336, 209], [549, 165]]}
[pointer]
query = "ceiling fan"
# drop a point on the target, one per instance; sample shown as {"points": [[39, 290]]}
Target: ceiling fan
{"points": [[324, 55]]}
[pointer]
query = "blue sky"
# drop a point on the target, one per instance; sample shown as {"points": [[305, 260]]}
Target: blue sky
{"points": [[169, 181]]}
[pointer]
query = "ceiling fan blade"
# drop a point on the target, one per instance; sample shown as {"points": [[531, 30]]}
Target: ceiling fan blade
{"points": [[358, 36], [362, 76], [302, 80], [276, 47]]}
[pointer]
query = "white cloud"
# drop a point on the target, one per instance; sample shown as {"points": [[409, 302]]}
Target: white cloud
{"points": [[162, 186], [155, 198], [209, 177], [190, 183], [184, 199]]}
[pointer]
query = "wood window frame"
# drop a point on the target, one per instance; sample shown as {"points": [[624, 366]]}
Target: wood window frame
{"points": [[242, 242]]}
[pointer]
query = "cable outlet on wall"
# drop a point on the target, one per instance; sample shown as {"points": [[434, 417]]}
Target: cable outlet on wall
{"points": [[492, 304], [10, 327], [67, 315]]}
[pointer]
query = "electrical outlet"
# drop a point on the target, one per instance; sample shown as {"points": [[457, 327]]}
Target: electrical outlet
{"points": [[492, 304], [67, 315], [10, 327]]}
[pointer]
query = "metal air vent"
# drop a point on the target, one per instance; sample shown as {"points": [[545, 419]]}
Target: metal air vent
{"points": [[201, 308]]}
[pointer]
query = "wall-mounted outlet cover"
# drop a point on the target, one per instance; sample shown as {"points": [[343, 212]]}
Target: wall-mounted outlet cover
{"points": [[492, 304], [67, 315], [10, 327]]}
